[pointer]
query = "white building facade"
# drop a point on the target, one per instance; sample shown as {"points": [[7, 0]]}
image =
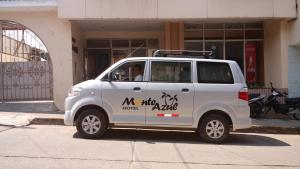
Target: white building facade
{"points": [[84, 37]]}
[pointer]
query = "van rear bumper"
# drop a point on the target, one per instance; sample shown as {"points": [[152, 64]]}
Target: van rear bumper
{"points": [[242, 123]]}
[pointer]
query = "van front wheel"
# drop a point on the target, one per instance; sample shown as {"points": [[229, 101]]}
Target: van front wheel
{"points": [[91, 124], [214, 128]]}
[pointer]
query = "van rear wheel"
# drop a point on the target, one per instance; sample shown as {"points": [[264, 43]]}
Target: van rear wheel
{"points": [[91, 124], [214, 128]]}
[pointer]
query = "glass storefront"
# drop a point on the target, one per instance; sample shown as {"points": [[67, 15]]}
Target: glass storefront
{"points": [[121, 48], [101, 53], [241, 42]]}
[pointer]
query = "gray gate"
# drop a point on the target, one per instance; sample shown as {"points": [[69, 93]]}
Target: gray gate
{"points": [[25, 67]]}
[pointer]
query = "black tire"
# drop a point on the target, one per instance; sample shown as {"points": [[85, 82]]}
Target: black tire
{"points": [[92, 113], [297, 114], [255, 111], [213, 118]]}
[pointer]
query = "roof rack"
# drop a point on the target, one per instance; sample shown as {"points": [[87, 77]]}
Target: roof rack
{"points": [[182, 53]]}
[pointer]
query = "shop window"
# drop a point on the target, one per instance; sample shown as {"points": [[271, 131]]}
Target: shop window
{"points": [[235, 51], [216, 48], [254, 34], [193, 35], [193, 46], [138, 52], [213, 34], [254, 63], [234, 34], [94, 43], [138, 43], [234, 26], [193, 26], [213, 26], [153, 44], [118, 55], [120, 43], [260, 62], [254, 25]]}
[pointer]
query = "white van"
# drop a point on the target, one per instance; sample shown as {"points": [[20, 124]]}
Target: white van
{"points": [[205, 95]]}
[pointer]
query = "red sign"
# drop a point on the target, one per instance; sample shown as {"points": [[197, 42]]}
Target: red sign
{"points": [[251, 62]]}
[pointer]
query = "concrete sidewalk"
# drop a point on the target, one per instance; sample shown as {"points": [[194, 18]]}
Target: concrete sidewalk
{"points": [[274, 126], [18, 119], [22, 113], [276, 123]]}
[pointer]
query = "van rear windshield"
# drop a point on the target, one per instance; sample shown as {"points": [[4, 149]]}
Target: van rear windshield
{"points": [[212, 72]]}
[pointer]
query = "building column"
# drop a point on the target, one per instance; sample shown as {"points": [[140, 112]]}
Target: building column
{"points": [[275, 54], [294, 56], [174, 35], [1, 42]]}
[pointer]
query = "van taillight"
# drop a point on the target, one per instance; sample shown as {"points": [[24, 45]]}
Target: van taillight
{"points": [[243, 95]]}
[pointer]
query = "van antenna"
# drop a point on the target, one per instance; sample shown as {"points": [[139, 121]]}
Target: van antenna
{"points": [[131, 53]]}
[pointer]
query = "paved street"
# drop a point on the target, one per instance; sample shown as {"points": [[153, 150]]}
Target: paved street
{"points": [[46, 146]]}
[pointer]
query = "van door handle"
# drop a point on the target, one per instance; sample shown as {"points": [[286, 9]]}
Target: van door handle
{"points": [[136, 88], [185, 90]]}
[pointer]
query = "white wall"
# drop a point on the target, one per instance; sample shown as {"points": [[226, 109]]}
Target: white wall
{"points": [[56, 35], [175, 9], [294, 71]]}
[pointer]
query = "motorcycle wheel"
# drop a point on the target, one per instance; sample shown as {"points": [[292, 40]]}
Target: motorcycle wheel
{"points": [[255, 110], [297, 115]]}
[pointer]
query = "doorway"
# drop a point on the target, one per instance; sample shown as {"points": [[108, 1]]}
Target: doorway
{"points": [[294, 71]]}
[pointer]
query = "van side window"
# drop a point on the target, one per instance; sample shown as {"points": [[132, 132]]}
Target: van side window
{"points": [[129, 72], [212, 72], [171, 72]]}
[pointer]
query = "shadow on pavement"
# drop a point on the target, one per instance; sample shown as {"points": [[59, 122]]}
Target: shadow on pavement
{"points": [[186, 137]]}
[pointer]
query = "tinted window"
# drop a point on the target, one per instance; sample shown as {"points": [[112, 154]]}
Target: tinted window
{"points": [[209, 72], [172, 72]]}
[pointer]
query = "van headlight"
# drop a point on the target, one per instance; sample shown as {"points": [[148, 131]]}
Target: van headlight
{"points": [[74, 91]]}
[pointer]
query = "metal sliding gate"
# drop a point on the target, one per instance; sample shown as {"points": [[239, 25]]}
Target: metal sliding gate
{"points": [[25, 67]]}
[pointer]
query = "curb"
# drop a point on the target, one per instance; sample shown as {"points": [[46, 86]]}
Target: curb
{"points": [[270, 130], [254, 129], [47, 121]]}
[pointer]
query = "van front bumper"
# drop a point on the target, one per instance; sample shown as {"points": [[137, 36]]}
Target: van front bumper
{"points": [[68, 120], [69, 116]]}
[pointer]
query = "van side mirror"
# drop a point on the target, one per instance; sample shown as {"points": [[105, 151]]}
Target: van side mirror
{"points": [[112, 76]]}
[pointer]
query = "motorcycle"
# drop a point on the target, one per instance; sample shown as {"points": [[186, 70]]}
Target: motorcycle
{"points": [[256, 103], [291, 106]]}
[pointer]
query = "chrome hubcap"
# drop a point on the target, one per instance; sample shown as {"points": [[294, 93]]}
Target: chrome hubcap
{"points": [[215, 129], [91, 124]]}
